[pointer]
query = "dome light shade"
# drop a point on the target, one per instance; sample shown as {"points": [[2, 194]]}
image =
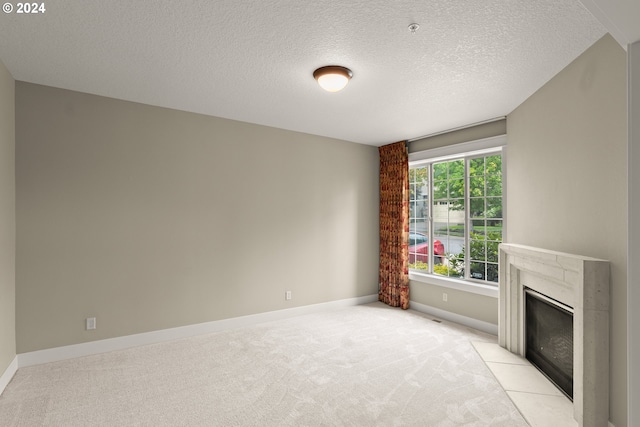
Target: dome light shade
{"points": [[332, 78]]}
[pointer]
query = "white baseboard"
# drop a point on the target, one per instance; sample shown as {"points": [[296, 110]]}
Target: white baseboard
{"points": [[8, 374], [487, 327], [120, 343]]}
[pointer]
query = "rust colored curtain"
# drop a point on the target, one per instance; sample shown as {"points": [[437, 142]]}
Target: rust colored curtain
{"points": [[394, 225]]}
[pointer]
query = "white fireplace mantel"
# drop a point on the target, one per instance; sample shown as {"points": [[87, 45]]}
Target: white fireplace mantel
{"points": [[579, 282]]}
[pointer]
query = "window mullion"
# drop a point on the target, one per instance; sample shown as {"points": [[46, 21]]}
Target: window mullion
{"points": [[430, 221], [467, 221]]}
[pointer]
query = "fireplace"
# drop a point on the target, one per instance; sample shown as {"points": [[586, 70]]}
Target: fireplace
{"points": [[573, 281], [549, 339]]}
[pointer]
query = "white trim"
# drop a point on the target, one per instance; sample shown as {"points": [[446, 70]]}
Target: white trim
{"points": [[120, 343], [461, 285], [633, 230], [480, 325], [468, 148], [8, 374]]}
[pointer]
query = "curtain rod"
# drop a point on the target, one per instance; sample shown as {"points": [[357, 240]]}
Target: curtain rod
{"points": [[496, 119]]}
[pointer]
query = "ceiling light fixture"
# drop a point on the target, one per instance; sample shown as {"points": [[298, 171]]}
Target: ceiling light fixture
{"points": [[332, 78]]}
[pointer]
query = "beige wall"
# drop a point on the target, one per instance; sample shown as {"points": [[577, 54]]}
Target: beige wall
{"points": [[476, 306], [7, 220], [150, 218], [472, 133], [567, 179], [460, 302]]}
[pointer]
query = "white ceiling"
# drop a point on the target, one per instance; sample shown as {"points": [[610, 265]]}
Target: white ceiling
{"points": [[250, 60]]}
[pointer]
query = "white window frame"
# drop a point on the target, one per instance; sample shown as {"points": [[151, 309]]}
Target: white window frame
{"points": [[485, 146]]}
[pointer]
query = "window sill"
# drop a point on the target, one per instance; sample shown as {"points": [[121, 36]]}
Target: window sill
{"points": [[461, 285]]}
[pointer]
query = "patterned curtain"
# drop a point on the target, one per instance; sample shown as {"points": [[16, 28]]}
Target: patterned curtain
{"points": [[394, 225]]}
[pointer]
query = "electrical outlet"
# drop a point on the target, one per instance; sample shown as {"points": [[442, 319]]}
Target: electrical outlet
{"points": [[287, 295], [91, 323], [444, 297]]}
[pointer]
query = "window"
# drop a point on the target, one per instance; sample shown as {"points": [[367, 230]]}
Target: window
{"points": [[456, 203]]}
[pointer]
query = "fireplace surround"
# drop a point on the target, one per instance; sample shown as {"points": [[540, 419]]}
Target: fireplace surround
{"points": [[578, 282]]}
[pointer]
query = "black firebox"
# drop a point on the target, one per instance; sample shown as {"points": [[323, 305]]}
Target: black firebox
{"points": [[549, 334]]}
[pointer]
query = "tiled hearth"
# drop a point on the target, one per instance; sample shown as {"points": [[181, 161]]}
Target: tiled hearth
{"points": [[578, 282], [538, 400]]}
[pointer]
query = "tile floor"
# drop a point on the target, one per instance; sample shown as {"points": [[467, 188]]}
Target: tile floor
{"points": [[537, 399]]}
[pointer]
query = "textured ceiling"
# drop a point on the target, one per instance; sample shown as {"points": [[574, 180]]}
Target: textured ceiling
{"points": [[470, 61]]}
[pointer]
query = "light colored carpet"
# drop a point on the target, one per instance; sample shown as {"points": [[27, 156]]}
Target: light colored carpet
{"points": [[368, 365]]}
